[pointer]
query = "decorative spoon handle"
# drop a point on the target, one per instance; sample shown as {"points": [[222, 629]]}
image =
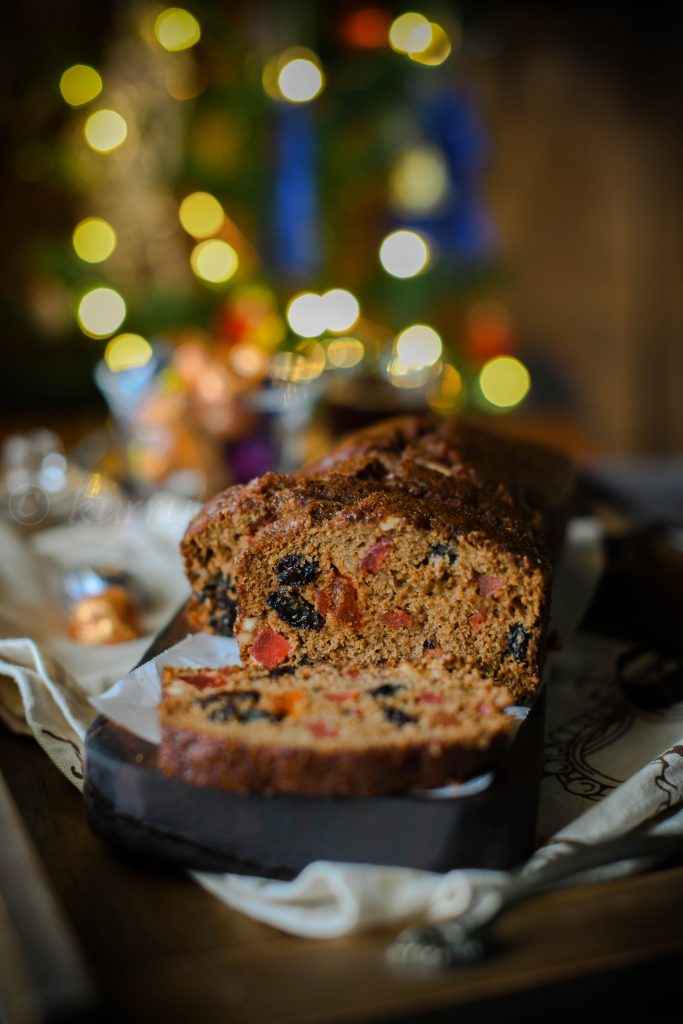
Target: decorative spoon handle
{"points": [[471, 937]]}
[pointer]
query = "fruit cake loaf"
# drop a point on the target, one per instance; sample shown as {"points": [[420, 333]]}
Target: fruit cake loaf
{"points": [[328, 731], [453, 458], [389, 577]]}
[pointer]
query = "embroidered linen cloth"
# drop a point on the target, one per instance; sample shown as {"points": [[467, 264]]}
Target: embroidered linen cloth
{"points": [[610, 767]]}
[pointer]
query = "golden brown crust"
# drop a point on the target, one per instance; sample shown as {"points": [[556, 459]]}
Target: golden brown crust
{"points": [[205, 760]]}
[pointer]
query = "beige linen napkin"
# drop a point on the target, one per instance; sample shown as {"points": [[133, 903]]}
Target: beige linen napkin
{"points": [[609, 767]]}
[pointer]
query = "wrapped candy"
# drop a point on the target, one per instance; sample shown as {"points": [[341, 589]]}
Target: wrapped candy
{"points": [[103, 606]]}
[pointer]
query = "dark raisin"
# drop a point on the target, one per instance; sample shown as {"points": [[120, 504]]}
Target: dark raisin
{"points": [[221, 592], [430, 643], [223, 707], [256, 715], [518, 643], [386, 690], [282, 670], [397, 717], [443, 551], [305, 660], [295, 610], [295, 570], [223, 623]]}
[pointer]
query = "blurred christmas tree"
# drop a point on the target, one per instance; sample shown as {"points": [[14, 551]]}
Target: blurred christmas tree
{"points": [[284, 190]]}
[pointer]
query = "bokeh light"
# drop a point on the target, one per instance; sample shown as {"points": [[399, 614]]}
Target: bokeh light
{"points": [[295, 367], [306, 315], [419, 180], [447, 393], [80, 84], [340, 310], [214, 261], [94, 239], [404, 253], [105, 131], [504, 381], [248, 360], [436, 51], [101, 312], [126, 352], [410, 33], [300, 80], [201, 214], [344, 353], [176, 29], [418, 346]]}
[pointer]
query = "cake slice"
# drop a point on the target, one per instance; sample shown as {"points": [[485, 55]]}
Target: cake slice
{"points": [[388, 577], [325, 731]]}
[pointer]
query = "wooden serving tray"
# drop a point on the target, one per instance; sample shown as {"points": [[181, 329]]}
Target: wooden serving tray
{"points": [[141, 812]]}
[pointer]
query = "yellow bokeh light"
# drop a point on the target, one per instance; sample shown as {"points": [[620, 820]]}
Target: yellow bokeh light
{"points": [[126, 352], [410, 33], [300, 80], [314, 354], [214, 261], [504, 381], [294, 367], [80, 84], [101, 312], [418, 346], [436, 51], [201, 214], [345, 352], [419, 180], [94, 240], [340, 310], [404, 253], [105, 130], [306, 315], [446, 394], [248, 360], [176, 29]]}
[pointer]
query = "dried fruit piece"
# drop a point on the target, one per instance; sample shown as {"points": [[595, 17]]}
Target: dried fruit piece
{"points": [[397, 619], [237, 705], [430, 697], [386, 690], [397, 717], [270, 648], [321, 729], [438, 551], [518, 643], [295, 610], [375, 555], [204, 681], [476, 621], [289, 703], [345, 602], [489, 584], [342, 695], [295, 570]]}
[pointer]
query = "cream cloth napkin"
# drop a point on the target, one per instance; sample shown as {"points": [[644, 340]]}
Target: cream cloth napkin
{"points": [[609, 768]]}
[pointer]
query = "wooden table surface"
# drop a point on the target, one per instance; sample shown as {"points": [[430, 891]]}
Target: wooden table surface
{"points": [[159, 947]]}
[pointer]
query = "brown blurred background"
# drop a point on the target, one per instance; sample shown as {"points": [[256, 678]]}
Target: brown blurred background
{"points": [[556, 241]]}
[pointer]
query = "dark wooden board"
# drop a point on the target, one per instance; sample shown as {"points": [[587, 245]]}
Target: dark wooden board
{"points": [[137, 809]]}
